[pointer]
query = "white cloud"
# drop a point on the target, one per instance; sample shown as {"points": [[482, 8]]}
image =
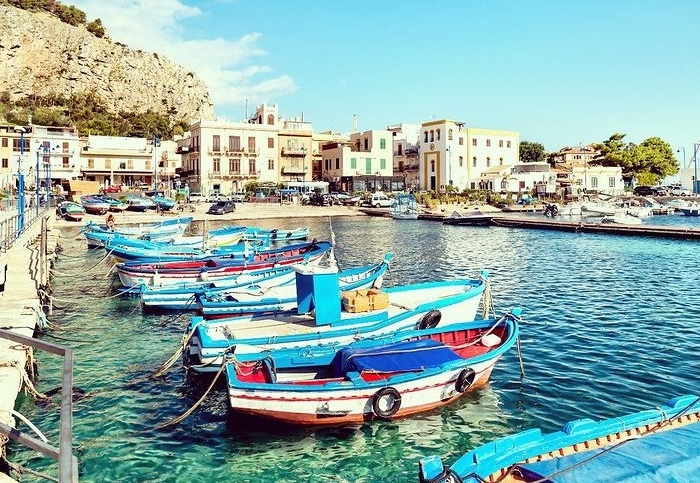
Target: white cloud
{"points": [[231, 68]]}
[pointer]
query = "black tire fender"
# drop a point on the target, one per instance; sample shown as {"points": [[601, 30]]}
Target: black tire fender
{"points": [[386, 402], [465, 379], [429, 320]]}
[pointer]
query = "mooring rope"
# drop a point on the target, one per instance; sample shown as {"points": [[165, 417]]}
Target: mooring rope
{"points": [[82, 272], [25, 379], [183, 344], [184, 415]]}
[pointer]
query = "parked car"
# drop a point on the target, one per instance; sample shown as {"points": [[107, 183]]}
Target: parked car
{"points": [[113, 189], [644, 191], [378, 200], [214, 197], [681, 191], [196, 197], [222, 207], [239, 197], [320, 199]]}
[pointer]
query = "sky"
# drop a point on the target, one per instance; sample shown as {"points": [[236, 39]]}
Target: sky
{"points": [[562, 73]]}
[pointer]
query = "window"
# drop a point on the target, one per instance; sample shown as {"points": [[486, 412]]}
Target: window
{"points": [[337, 163], [507, 144], [270, 120], [129, 163], [122, 165], [368, 166], [382, 143], [234, 165], [400, 149], [611, 182], [425, 133], [432, 135], [449, 135], [234, 143], [438, 135], [500, 143], [353, 163], [271, 164], [4, 142], [474, 162], [432, 166], [461, 161], [488, 143], [382, 164], [5, 160], [461, 141], [473, 141], [216, 143], [251, 144], [271, 143], [66, 147], [500, 161], [488, 162], [366, 144], [16, 143], [216, 166], [91, 163], [251, 165], [148, 164], [108, 163], [594, 181]]}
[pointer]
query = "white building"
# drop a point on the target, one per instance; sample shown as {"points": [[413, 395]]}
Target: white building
{"points": [[116, 160], [455, 156], [406, 158]]}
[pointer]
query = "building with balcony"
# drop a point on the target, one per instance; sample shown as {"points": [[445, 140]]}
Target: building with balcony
{"points": [[114, 160], [222, 156], [296, 152], [363, 163], [405, 150]]}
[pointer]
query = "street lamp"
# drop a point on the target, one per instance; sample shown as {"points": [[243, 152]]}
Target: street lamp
{"points": [[43, 152], [156, 143], [678, 151], [696, 146], [20, 180], [303, 170]]}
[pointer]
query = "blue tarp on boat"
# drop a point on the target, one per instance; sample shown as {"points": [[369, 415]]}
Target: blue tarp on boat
{"points": [[662, 457], [413, 355]]}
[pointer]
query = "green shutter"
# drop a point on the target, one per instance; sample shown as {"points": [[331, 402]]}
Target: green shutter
{"points": [[382, 163], [353, 163]]}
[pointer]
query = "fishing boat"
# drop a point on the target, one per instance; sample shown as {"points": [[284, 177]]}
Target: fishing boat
{"points": [[276, 234], [231, 302], [181, 296], [70, 211], [325, 315], [390, 377], [405, 207], [210, 268], [165, 227], [114, 204], [691, 209], [163, 203], [152, 247], [94, 205], [472, 218], [655, 445], [140, 203]]}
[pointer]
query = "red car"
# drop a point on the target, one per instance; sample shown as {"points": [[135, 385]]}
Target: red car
{"points": [[114, 189]]}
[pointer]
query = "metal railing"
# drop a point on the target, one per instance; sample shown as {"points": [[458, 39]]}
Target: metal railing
{"points": [[67, 463], [9, 221]]}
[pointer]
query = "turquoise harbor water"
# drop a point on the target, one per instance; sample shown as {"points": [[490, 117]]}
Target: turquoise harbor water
{"points": [[610, 325]]}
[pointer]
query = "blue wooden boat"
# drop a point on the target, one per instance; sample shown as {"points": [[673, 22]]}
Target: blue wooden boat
{"points": [[140, 203], [405, 207], [326, 316], [214, 238], [163, 203], [71, 211], [96, 234], [656, 445], [230, 302], [389, 377], [276, 234], [212, 268], [181, 296]]}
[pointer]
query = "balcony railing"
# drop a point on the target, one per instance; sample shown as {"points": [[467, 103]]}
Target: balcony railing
{"points": [[293, 152]]}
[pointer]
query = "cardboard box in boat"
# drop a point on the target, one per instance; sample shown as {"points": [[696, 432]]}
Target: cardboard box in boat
{"points": [[364, 300]]}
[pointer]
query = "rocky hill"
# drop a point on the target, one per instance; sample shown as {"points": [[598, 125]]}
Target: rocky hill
{"points": [[42, 56]]}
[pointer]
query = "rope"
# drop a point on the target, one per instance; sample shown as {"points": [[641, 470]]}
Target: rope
{"points": [[82, 272], [184, 415], [20, 470], [487, 306], [185, 340], [29, 387]]}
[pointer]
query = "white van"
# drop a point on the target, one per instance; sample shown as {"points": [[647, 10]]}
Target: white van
{"points": [[378, 200]]}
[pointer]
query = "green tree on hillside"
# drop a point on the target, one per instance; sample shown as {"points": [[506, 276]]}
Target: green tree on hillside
{"points": [[531, 152]]}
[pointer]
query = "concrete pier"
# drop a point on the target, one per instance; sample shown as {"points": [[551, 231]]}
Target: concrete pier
{"points": [[24, 277]]}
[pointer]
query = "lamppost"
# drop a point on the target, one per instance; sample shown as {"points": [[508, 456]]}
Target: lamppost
{"points": [[156, 143], [449, 163], [20, 180], [696, 146], [303, 170], [678, 151], [43, 151]]}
